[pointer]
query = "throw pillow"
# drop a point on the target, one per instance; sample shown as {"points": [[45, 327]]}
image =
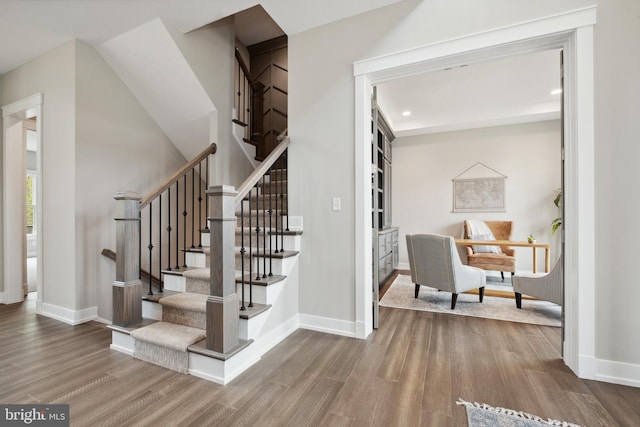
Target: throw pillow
{"points": [[481, 231]]}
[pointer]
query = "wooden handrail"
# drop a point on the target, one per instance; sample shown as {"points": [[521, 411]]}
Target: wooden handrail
{"points": [[264, 167], [245, 69], [211, 149]]}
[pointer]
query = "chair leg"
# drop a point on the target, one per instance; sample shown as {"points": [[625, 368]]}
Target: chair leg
{"points": [[481, 293], [518, 299], [417, 289], [502, 274], [454, 298]]}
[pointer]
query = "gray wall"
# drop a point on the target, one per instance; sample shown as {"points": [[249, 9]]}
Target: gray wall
{"points": [[210, 53], [528, 154], [53, 75], [617, 132], [97, 140], [321, 108], [1, 191], [118, 147]]}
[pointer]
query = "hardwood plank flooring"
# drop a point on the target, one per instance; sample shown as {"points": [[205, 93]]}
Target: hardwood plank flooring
{"points": [[409, 372]]}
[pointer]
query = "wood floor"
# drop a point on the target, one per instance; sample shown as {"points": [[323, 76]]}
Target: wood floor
{"points": [[409, 372]]}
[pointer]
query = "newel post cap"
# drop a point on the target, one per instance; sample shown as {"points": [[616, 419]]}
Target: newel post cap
{"points": [[127, 195]]}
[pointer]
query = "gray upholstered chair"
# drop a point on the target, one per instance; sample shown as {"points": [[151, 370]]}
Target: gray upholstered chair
{"points": [[548, 287], [435, 262]]}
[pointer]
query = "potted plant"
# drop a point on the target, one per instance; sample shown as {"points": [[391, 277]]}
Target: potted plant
{"points": [[557, 222], [531, 239]]}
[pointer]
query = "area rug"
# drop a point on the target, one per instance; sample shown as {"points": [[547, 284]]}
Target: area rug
{"points": [[483, 415], [401, 295]]}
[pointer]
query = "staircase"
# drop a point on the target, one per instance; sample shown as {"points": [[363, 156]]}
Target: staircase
{"points": [[174, 327]]}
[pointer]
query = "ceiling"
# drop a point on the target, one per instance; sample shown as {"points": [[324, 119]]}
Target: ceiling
{"points": [[512, 90], [29, 29], [484, 94]]}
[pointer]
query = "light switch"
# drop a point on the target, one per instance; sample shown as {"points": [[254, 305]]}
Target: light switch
{"points": [[337, 204]]}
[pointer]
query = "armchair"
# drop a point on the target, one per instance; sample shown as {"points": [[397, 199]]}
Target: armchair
{"points": [[549, 287], [434, 262], [502, 258]]}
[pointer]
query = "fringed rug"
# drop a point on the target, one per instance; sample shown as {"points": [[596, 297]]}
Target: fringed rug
{"points": [[483, 415], [401, 295], [165, 344]]}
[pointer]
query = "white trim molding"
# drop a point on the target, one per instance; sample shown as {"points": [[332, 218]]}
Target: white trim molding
{"points": [[617, 372], [327, 325], [571, 31], [71, 317]]}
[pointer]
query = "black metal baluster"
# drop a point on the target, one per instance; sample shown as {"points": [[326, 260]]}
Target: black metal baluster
{"points": [[242, 252], [239, 111], [270, 227], [169, 227], [193, 201], [206, 205], [284, 155], [257, 187], [264, 230], [177, 225], [199, 205], [150, 247], [159, 243], [250, 254], [274, 185], [140, 245], [184, 228], [281, 196]]}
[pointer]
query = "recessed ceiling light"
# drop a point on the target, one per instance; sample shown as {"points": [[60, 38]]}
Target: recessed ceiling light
{"points": [[556, 92], [406, 113]]}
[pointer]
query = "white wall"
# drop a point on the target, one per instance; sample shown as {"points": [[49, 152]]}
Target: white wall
{"points": [[118, 147], [53, 75], [321, 123], [528, 154], [210, 53], [1, 198], [321, 109], [617, 131]]}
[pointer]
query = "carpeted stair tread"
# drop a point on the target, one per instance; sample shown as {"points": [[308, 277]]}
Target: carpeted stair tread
{"points": [[186, 301], [165, 344], [170, 335]]}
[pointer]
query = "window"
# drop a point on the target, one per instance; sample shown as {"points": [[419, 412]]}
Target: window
{"points": [[31, 203]]}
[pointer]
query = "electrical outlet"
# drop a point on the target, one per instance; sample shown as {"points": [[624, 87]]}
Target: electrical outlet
{"points": [[337, 204]]}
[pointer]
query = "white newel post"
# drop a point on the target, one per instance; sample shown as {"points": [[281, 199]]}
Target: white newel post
{"points": [[223, 303], [127, 289]]}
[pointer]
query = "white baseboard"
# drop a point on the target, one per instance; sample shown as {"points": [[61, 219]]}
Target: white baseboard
{"points": [[328, 325], [617, 372], [1, 297], [403, 266], [71, 317]]}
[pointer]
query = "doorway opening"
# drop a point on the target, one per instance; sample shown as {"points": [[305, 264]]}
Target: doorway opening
{"points": [[22, 199], [505, 113], [571, 32]]}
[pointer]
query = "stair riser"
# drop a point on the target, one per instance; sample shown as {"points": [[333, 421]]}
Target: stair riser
{"points": [[267, 202], [189, 318], [261, 294], [276, 221]]}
